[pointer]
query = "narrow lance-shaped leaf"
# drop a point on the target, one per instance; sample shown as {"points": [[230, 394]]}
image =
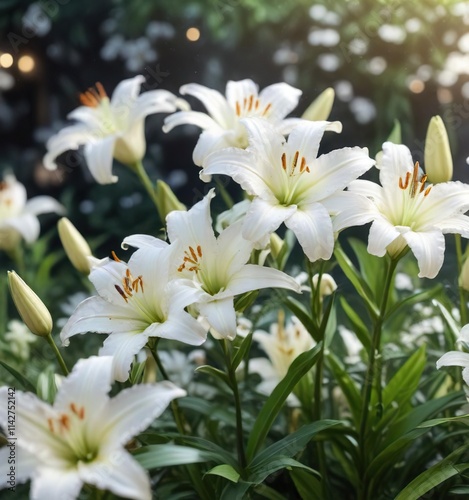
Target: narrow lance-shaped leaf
{"points": [[300, 366]]}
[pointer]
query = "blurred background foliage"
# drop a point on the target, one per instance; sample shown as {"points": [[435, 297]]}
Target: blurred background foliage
{"points": [[387, 60]]}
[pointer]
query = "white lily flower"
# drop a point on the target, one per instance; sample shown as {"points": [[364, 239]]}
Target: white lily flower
{"points": [[110, 128], [136, 301], [290, 183], [80, 438], [407, 212], [282, 345], [18, 215], [458, 358], [222, 126], [217, 267]]}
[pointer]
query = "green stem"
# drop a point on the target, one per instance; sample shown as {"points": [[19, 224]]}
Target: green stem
{"points": [[237, 401], [139, 169], [192, 469], [61, 361], [374, 370], [178, 418], [462, 295]]}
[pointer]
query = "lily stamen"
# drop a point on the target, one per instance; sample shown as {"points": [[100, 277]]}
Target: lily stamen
{"points": [[93, 96]]}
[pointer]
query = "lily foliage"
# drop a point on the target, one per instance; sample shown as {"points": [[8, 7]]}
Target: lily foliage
{"points": [[252, 348]]}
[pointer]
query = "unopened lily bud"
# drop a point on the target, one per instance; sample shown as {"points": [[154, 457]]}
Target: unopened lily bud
{"points": [[320, 108], [327, 286], [167, 200], [75, 246], [464, 276], [276, 244], [438, 159], [32, 310]]}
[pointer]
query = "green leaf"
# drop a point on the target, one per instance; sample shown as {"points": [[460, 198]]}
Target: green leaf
{"points": [[357, 281], [304, 315], [405, 381], [226, 471], [359, 327], [258, 474], [447, 316], [136, 373], [267, 492], [218, 453], [348, 386], [300, 366], [307, 484], [291, 444], [24, 382], [395, 136], [45, 386], [243, 351], [245, 300], [415, 299], [434, 476], [329, 322], [166, 455], [371, 268], [214, 372], [417, 415]]}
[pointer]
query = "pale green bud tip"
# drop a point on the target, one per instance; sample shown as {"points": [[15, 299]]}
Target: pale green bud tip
{"points": [[327, 285], [75, 246], [321, 107], [438, 159], [276, 244], [30, 307], [167, 200], [464, 276]]}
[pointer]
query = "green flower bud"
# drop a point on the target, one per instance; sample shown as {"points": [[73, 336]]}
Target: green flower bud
{"points": [[30, 307], [75, 246], [320, 108], [438, 159], [167, 200], [276, 244]]}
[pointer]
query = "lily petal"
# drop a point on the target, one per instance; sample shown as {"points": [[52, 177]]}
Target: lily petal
{"points": [[382, 234], [221, 316], [99, 158], [55, 484], [71, 137], [253, 277], [429, 250], [142, 240], [196, 118], [282, 97]]}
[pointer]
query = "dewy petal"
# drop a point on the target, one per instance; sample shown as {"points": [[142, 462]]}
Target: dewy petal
{"points": [[282, 97], [253, 277], [429, 250], [307, 136], [99, 156], [71, 137], [134, 409], [335, 170], [126, 93], [120, 474], [27, 225], [153, 101], [312, 226], [221, 316], [196, 118], [382, 234], [86, 386], [100, 316], [264, 218], [55, 484], [216, 105], [42, 205], [454, 358], [123, 347], [142, 240]]}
